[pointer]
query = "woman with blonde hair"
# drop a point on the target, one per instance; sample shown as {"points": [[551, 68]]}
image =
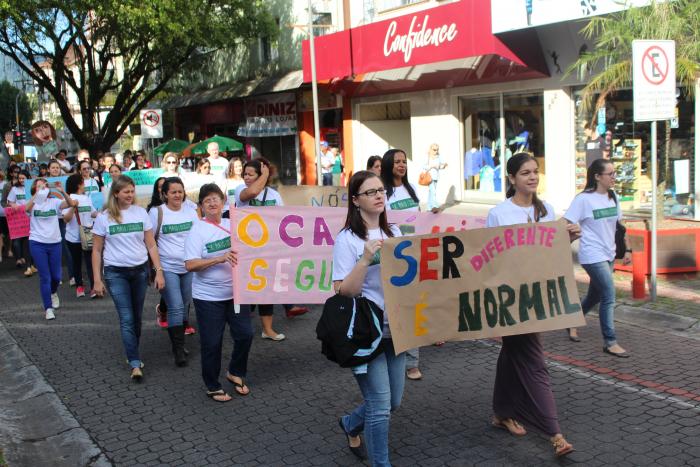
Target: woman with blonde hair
{"points": [[171, 164], [123, 241]]}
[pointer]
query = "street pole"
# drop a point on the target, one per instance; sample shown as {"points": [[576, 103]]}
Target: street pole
{"points": [[654, 181], [17, 111], [314, 93]]}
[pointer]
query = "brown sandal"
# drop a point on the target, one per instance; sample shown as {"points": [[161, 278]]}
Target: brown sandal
{"points": [[561, 446], [510, 425]]}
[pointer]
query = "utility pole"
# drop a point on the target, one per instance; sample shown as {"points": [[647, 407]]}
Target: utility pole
{"points": [[314, 93]]}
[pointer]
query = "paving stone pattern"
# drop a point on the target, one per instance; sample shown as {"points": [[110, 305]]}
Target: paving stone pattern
{"points": [[635, 412]]}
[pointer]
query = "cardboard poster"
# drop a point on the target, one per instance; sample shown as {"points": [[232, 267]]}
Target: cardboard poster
{"points": [[477, 284], [310, 195], [17, 222]]}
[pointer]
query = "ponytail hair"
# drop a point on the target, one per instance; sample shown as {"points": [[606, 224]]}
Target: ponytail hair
{"points": [[597, 167], [512, 167]]}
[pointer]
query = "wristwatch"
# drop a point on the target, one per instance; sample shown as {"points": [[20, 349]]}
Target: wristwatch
{"points": [[628, 250], [158, 269]]}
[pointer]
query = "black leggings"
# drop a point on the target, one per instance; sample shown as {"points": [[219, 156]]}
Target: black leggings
{"points": [[264, 310], [77, 253], [20, 246]]}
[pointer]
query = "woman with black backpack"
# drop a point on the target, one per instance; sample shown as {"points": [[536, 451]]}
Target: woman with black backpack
{"points": [[356, 272], [597, 211]]}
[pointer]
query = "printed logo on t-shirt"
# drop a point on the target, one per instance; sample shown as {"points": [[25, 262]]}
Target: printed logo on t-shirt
{"points": [[84, 209], [21, 196], [126, 228], [375, 259], [219, 245], [49, 213], [231, 191], [177, 228], [603, 213], [401, 204], [268, 202], [90, 188]]}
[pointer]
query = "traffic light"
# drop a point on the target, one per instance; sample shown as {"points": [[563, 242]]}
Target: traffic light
{"points": [[18, 138], [27, 137]]}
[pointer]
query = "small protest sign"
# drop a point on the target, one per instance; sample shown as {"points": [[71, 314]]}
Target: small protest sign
{"points": [[17, 222]]}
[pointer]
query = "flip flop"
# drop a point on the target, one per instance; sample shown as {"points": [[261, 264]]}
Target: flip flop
{"points": [[516, 430], [220, 392], [238, 386]]}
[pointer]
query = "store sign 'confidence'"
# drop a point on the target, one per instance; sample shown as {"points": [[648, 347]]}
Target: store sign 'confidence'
{"points": [[415, 38]]}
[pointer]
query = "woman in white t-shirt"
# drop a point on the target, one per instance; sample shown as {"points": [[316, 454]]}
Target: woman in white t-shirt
{"points": [[356, 271], [209, 256], [17, 198], [234, 181], [433, 165], [256, 175], [123, 241], [522, 390], [55, 170], [86, 212], [171, 164], [4, 232], [172, 222], [597, 211], [90, 185], [45, 239]]}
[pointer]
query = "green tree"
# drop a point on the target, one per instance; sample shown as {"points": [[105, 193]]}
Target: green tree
{"points": [[8, 97], [118, 54], [611, 56]]}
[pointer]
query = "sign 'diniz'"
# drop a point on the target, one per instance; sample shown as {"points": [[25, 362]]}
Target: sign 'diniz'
{"points": [[479, 283]]}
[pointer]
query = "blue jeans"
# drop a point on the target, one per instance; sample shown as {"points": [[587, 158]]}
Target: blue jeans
{"points": [[127, 286], [64, 247], [602, 290], [177, 294], [412, 358], [382, 390], [432, 195], [47, 259], [212, 318], [327, 179]]}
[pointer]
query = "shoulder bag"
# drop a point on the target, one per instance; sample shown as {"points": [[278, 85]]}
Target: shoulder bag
{"points": [[84, 231], [151, 269], [424, 178]]}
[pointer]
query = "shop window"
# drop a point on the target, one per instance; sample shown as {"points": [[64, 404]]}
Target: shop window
{"points": [[387, 111], [611, 132]]}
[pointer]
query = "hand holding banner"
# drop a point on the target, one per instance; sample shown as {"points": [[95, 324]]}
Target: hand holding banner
{"points": [[480, 283]]}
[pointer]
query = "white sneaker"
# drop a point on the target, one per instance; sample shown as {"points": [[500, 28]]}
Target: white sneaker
{"points": [[55, 302], [49, 314], [71, 282]]}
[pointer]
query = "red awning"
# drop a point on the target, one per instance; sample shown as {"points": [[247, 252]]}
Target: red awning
{"points": [[450, 44]]}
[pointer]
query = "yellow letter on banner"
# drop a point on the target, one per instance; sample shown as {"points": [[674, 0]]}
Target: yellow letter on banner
{"points": [[260, 281], [243, 231]]}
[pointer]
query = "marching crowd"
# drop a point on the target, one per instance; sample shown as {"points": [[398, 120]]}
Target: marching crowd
{"points": [[183, 249]]}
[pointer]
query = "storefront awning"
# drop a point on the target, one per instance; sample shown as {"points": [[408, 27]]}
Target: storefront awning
{"points": [[450, 44], [289, 81]]}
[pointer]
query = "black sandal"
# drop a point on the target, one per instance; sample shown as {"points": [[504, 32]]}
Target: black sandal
{"points": [[219, 392], [238, 386]]}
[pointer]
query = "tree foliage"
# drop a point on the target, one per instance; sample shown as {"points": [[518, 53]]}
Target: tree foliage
{"points": [[119, 53], [8, 94]]}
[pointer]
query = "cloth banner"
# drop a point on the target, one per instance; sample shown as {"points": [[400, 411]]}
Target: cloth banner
{"points": [[478, 284], [310, 195], [286, 255], [17, 222]]}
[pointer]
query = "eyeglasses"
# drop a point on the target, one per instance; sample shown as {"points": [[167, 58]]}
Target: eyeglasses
{"points": [[609, 174], [372, 192], [434, 149], [171, 162]]}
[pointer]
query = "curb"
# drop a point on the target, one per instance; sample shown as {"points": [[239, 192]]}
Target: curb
{"points": [[678, 325], [36, 428]]}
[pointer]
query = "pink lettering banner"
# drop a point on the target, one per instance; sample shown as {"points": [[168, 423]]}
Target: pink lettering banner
{"points": [[285, 255], [17, 222]]}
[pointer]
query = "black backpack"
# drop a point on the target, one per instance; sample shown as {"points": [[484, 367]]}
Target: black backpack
{"points": [[350, 330]]}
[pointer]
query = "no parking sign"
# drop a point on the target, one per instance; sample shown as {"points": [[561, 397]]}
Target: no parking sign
{"points": [[654, 80], [151, 123]]}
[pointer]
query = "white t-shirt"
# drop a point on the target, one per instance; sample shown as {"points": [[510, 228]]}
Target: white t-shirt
{"points": [[327, 159], [17, 195], [232, 186], [43, 221], [401, 200], [174, 229], [65, 165], [508, 213], [597, 215], [219, 166], [124, 244], [205, 241], [271, 199], [91, 186], [188, 203], [2, 209], [347, 251], [85, 210]]}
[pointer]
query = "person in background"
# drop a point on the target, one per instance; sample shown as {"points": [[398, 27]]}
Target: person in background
{"points": [[55, 171], [338, 166], [61, 157], [139, 161], [43, 170], [76, 217], [127, 160], [4, 230], [115, 170], [18, 198], [374, 165], [208, 255], [522, 390], [218, 164], [234, 180], [433, 166], [356, 271], [171, 164], [122, 234], [327, 161], [90, 185]]}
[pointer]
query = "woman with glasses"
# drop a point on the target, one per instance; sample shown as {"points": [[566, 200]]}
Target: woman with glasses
{"points": [[356, 271], [433, 166], [597, 210], [90, 185], [171, 164]]}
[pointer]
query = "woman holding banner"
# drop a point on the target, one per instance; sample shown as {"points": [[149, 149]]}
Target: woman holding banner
{"points": [[122, 235], [172, 222], [401, 196], [45, 239], [522, 390], [598, 212], [209, 257], [17, 197], [356, 272], [81, 215]]}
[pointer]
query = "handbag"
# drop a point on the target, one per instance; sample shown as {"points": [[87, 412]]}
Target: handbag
{"points": [[85, 233], [151, 269], [424, 178], [620, 234]]}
